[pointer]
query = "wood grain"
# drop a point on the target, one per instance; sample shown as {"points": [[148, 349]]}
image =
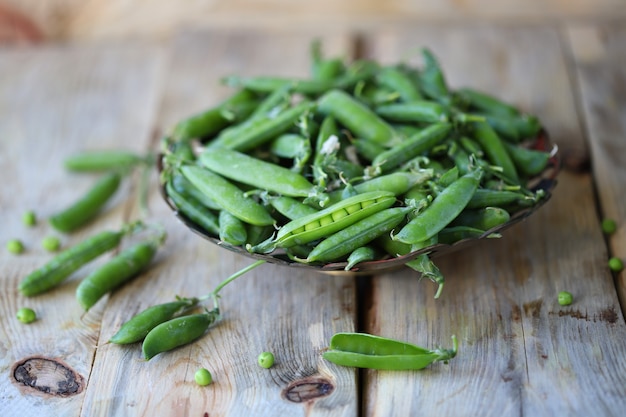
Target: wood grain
{"points": [[289, 312], [55, 101], [599, 53], [521, 353]]}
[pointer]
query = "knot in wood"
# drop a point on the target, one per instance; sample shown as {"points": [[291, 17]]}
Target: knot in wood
{"points": [[308, 389], [48, 376]]}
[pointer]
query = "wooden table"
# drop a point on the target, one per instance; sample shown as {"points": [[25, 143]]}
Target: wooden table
{"points": [[520, 352]]}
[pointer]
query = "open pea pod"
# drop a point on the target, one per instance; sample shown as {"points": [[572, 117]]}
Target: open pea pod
{"points": [[363, 350]]}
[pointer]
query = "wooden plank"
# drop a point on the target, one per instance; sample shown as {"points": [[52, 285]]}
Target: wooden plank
{"points": [[599, 53], [521, 353], [55, 101], [287, 311]]}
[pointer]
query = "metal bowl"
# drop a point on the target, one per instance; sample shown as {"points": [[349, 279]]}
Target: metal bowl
{"points": [[545, 181]]}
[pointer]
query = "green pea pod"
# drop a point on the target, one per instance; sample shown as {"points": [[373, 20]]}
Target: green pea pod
{"points": [[87, 207], [495, 151], [362, 254], [327, 141], [64, 264], [324, 68], [106, 160], [327, 221], [432, 78], [189, 206], [485, 197], [362, 350], [269, 84], [422, 111], [356, 116], [246, 169], [396, 182], [528, 161], [343, 242], [261, 130], [136, 329], [232, 230], [444, 208], [452, 234], [258, 234], [487, 103], [482, 218], [227, 195], [211, 121], [292, 146], [186, 189], [177, 332], [412, 147], [117, 271], [460, 157], [399, 81], [291, 208], [277, 100], [368, 149]]}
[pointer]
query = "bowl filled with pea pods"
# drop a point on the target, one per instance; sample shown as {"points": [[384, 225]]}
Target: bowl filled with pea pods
{"points": [[359, 167]]}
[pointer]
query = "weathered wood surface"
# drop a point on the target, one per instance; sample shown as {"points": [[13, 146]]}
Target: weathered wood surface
{"points": [[521, 353], [53, 102], [76, 19]]}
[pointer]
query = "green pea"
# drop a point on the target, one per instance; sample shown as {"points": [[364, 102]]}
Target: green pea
{"points": [[26, 315], [616, 264], [565, 298], [51, 243], [266, 360], [15, 246], [609, 226], [29, 218], [203, 377]]}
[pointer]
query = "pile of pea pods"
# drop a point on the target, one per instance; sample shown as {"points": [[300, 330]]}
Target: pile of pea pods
{"points": [[358, 162]]}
